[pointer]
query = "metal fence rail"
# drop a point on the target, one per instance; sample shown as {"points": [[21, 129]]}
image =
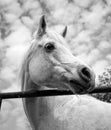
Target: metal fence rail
{"points": [[41, 93]]}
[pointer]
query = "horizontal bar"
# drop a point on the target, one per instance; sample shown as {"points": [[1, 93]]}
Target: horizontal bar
{"points": [[41, 93]]}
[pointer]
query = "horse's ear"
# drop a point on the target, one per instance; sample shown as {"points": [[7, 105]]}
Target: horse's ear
{"points": [[64, 31], [42, 26]]}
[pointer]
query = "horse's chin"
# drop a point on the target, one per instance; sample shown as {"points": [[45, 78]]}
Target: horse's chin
{"points": [[79, 88]]}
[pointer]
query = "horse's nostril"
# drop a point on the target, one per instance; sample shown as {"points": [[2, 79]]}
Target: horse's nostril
{"points": [[85, 74]]}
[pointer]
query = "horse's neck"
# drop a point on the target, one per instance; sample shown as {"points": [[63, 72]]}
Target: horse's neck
{"points": [[47, 112], [50, 112], [64, 112], [45, 109]]}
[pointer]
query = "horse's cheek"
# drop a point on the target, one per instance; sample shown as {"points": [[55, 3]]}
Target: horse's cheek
{"points": [[39, 70]]}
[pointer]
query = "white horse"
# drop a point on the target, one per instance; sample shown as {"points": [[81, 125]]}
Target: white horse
{"points": [[49, 64]]}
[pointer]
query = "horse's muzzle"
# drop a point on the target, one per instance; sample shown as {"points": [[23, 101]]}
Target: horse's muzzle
{"points": [[86, 81]]}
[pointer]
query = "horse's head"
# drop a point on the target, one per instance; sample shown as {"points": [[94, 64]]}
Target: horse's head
{"points": [[52, 64]]}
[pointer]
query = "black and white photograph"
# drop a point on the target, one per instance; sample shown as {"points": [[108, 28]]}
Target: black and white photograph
{"points": [[55, 64]]}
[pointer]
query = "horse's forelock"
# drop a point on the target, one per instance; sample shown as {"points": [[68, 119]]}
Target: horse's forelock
{"points": [[50, 34], [57, 37]]}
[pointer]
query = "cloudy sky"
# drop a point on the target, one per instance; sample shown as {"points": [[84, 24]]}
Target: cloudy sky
{"points": [[89, 36]]}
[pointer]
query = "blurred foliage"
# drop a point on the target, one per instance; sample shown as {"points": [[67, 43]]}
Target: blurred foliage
{"points": [[104, 81]]}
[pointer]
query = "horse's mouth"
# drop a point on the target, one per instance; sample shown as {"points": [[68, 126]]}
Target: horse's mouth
{"points": [[78, 88]]}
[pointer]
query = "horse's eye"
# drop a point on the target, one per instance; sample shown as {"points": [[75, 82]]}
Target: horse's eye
{"points": [[49, 47]]}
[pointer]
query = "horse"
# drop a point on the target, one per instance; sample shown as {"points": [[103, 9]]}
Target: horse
{"points": [[50, 64]]}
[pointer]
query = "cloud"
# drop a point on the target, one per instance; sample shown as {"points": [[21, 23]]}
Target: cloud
{"points": [[84, 3], [104, 46], [20, 35], [15, 54], [99, 67], [6, 2], [109, 57]]}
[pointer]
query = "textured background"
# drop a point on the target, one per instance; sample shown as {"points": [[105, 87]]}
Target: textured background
{"points": [[89, 35]]}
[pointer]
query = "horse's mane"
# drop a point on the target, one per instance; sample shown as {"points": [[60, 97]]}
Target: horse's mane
{"points": [[24, 72], [24, 69]]}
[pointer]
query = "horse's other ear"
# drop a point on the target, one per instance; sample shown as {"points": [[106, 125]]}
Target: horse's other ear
{"points": [[42, 26], [64, 31]]}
